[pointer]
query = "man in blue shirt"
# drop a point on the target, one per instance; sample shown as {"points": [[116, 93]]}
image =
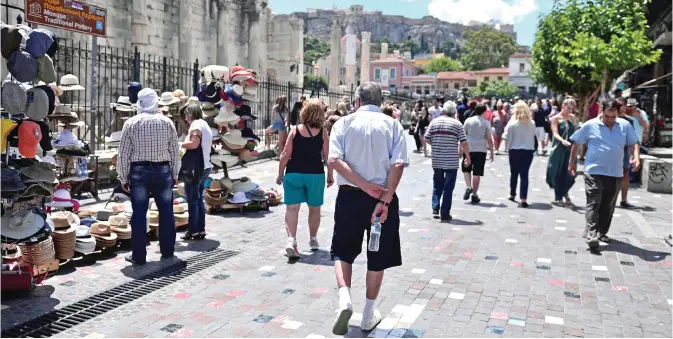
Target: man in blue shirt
{"points": [[605, 138]]}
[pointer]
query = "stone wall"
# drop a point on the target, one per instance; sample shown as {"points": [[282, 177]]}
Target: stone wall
{"points": [[285, 48]]}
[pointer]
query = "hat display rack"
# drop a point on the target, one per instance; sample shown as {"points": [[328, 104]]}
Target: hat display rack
{"points": [[228, 114]]}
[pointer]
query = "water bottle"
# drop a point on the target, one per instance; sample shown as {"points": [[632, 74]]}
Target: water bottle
{"points": [[375, 235]]}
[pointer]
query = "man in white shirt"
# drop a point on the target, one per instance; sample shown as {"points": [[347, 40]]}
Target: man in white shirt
{"points": [[369, 153], [478, 133], [435, 111]]}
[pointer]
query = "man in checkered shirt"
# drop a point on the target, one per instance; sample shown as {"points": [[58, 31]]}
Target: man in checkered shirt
{"points": [[148, 163]]}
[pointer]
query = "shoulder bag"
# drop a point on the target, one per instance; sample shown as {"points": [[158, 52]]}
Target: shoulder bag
{"points": [[191, 168]]}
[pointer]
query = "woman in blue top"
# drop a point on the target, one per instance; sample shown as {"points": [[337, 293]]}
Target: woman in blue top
{"points": [[279, 114]]}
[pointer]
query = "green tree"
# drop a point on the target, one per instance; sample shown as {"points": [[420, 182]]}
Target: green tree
{"points": [[314, 49], [411, 46], [499, 88], [443, 64], [583, 44], [486, 48], [315, 82]]}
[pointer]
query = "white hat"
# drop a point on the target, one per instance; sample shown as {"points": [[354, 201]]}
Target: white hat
{"points": [[123, 104], [215, 132], [148, 101], [235, 137], [632, 102], [66, 139], [84, 243], [20, 224], [167, 99], [69, 82], [215, 73], [239, 198], [219, 159], [114, 137], [244, 185], [63, 199], [226, 116]]}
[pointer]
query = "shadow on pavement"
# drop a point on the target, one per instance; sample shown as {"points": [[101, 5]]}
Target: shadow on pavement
{"points": [[463, 222], [356, 332], [406, 214], [539, 206], [626, 248], [320, 257], [196, 245], [486, 204]]}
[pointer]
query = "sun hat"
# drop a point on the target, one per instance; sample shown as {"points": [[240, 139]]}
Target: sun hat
{"points": [[22, 66], [39, 41], [212, 93], [84, 243], [11, 180], [20, 225], [245, 113], [167, 99], [248, 133], [114, 138], [49, 160], [103, 232], [256, 195], [66, 139], [116, 208], [178, 93], [123, 104], [45, 69], [235, 137], [64, 112], [40, 189], [14, 97], [26, 203], [39, 172], [244, 185], [215, 186], [220, 159], [179, 208], [235, 93], [61, 199], [51, 96], [209, 109], [70, 82], [148, 101], [7, 126], [239, 198], [37, 103], [104, 214], [226, 116], [64, 222], [30, 135], [240, 75], [632, 102]]}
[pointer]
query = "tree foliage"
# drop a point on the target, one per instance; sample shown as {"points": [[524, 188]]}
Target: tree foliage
{"points": [[486, 47], [451, 50], [499, 88], [315, 49], [582, 44], [443, 64], [316, 82]]}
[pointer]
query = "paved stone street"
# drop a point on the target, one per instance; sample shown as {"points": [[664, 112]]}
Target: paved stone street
{"points": [[495, 270]]}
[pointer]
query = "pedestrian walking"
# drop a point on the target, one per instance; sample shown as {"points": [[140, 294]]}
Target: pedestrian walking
{"points": [[423, 123], [498, 122], [444, 134], [478, 132], [148, 162], [302, 174], [640, 123], [519, 136], [435, 110], [279, 113], [563, 125], [369, 152], [627, 154], [200, 138], [605, 139], [540, 117], [415, 116]]}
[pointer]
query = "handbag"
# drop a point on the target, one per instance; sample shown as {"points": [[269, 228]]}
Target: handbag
{"points": [[411, 130], [191, 168]]}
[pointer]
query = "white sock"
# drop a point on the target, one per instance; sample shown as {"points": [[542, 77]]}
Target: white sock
{"points": [[293, 240], [314, 238], [344, 297], [369, 309]]}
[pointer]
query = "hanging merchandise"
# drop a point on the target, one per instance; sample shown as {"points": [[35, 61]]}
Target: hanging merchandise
{"points": [[70, 82]]}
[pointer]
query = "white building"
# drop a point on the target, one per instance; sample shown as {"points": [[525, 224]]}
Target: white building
{"points": [[519, 74]]}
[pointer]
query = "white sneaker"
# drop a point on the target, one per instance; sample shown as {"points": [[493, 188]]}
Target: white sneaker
{"points": [[340, 326], [291, 250], [368, 324], [314, 244]]}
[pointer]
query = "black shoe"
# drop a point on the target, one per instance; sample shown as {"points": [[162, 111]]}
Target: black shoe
{"points": [[447, 218], [524, 204], [511, 198], [167, 257], [468, 191], [475, 199], [129, 258], [625, 204], [435, 211]]}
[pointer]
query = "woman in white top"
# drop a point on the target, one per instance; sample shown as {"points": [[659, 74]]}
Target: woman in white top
{"points": [[199, 134], [519, 139]]}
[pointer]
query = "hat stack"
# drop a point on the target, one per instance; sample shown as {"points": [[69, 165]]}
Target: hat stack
{"points": [[65, 224], [104, 236], [244, 185], [38, 253], [180, 214], [85, 243], [62, 199], [119, 224], [34, 62], [216, 194], [124, 107]]}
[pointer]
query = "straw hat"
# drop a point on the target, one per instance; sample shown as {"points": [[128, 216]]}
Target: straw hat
{"points": [[120, 225], [117, 208], [64, 237], [181, 218], [153, 218], [179, 208], [38, 253], [103, 234]]}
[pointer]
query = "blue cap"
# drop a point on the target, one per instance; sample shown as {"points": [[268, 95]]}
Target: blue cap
{"points": [[39, 41]]}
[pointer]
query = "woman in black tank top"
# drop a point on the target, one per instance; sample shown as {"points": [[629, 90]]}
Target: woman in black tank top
{"points": [[302, 174]]}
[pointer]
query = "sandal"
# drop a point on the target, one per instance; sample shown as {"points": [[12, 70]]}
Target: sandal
{"points": [[194, 236], [568, 201]]}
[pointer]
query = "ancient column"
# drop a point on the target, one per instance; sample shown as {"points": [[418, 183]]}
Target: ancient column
{"points": [[263, 41], [384, 50], [139, 25], [184, 31], [223, 32], [254, 42], [364, 56], [335, 53]]}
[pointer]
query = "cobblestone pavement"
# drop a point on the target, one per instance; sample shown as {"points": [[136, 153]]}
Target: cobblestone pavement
{"points": [[495, 270]]}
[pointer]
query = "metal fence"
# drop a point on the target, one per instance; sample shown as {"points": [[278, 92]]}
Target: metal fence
{"points": [[116, 68]]}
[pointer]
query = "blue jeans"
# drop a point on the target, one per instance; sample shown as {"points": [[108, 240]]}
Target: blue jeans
{"points": [[519, 165], [197, 209], [444, 182], [155, 179]]}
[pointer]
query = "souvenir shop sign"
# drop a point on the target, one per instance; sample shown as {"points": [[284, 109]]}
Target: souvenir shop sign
{"points": [[69, 15]]}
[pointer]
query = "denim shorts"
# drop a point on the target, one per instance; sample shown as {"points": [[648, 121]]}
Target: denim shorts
{"points": [[278, 126], [304, 187]]}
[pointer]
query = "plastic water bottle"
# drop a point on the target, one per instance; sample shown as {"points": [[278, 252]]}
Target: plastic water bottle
{"points": [[375, 235]]}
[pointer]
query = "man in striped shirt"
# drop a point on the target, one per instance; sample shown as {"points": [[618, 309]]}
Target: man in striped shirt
{"points": [[444, 134]]}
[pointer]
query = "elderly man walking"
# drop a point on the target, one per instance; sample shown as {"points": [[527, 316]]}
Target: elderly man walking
{"points": [[605, 138], [369, 153], [148, 163], [444, 134]]}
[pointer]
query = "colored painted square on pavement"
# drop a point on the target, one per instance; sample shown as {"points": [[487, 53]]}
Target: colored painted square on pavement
{"points": [[170, 328], [495, 329], [516, 322], [414, 333], [499, 315], [263, 319]]}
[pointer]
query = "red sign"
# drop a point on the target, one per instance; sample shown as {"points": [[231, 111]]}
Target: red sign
{"points": [[69, 15]]}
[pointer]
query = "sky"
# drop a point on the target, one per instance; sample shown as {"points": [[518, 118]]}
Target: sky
{"points": [[522, 13]]}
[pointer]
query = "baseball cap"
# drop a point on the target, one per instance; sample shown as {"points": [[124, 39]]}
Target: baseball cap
{"points": [[7, 126], [30, 135]]}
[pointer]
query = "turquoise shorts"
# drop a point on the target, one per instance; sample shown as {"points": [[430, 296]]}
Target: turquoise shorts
{"points": [[304, 187]]}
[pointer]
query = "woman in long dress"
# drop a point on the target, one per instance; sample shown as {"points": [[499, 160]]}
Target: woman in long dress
{"points": [[563, 125]]}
